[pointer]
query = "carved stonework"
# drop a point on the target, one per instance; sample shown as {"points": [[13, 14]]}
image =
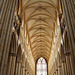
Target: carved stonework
{"points": [[17, 23], [13, 54]]}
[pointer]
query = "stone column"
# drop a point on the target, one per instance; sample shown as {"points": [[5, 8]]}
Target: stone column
{"points": [[18, 61], [69, 69], [59, 72], [23, 70], [11, 64], [4, 6], [23, 64], [27, 69], [68, 56], [26, 66], [18, 68], [59, 65], [56, 66], [63, 68], [6, 26], [70, 60], [68, 9], [62, 59], [66, 70]]}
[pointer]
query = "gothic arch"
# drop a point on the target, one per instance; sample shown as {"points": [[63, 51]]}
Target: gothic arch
{"points": [[13, 43], [19, 54], [45, 63], [12, 54]]}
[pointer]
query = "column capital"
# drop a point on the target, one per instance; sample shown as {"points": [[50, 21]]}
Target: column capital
{"points": [[67, 53], [13, 54]]}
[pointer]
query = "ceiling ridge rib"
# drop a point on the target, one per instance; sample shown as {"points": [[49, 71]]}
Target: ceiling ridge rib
{"points": [[40, 18], [42, 43], [38, 21], [41, 46], [40, 25], [32, 13], [41, 15], [51, 4], [38, 30], [42, 39], [41, 52]]}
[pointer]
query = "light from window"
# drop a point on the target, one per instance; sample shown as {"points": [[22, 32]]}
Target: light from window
{"points": [[41, 67]]}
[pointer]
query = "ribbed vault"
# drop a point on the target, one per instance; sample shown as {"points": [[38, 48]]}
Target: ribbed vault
{"points": [[40, 18]]}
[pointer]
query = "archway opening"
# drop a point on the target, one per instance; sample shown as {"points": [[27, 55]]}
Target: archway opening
{"points": [[41, 66]]}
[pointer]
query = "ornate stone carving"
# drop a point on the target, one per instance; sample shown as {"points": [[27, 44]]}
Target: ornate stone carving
{"points": [[17, 23]]}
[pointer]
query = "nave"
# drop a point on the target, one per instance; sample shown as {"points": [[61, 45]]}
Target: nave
{"points": [[37, 37]]}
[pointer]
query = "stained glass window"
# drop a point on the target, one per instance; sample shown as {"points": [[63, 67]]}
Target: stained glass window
{"points": [[41, 67]]}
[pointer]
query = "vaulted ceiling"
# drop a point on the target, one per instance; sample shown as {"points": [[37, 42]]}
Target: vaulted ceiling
{"points": [[40, 19]]}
